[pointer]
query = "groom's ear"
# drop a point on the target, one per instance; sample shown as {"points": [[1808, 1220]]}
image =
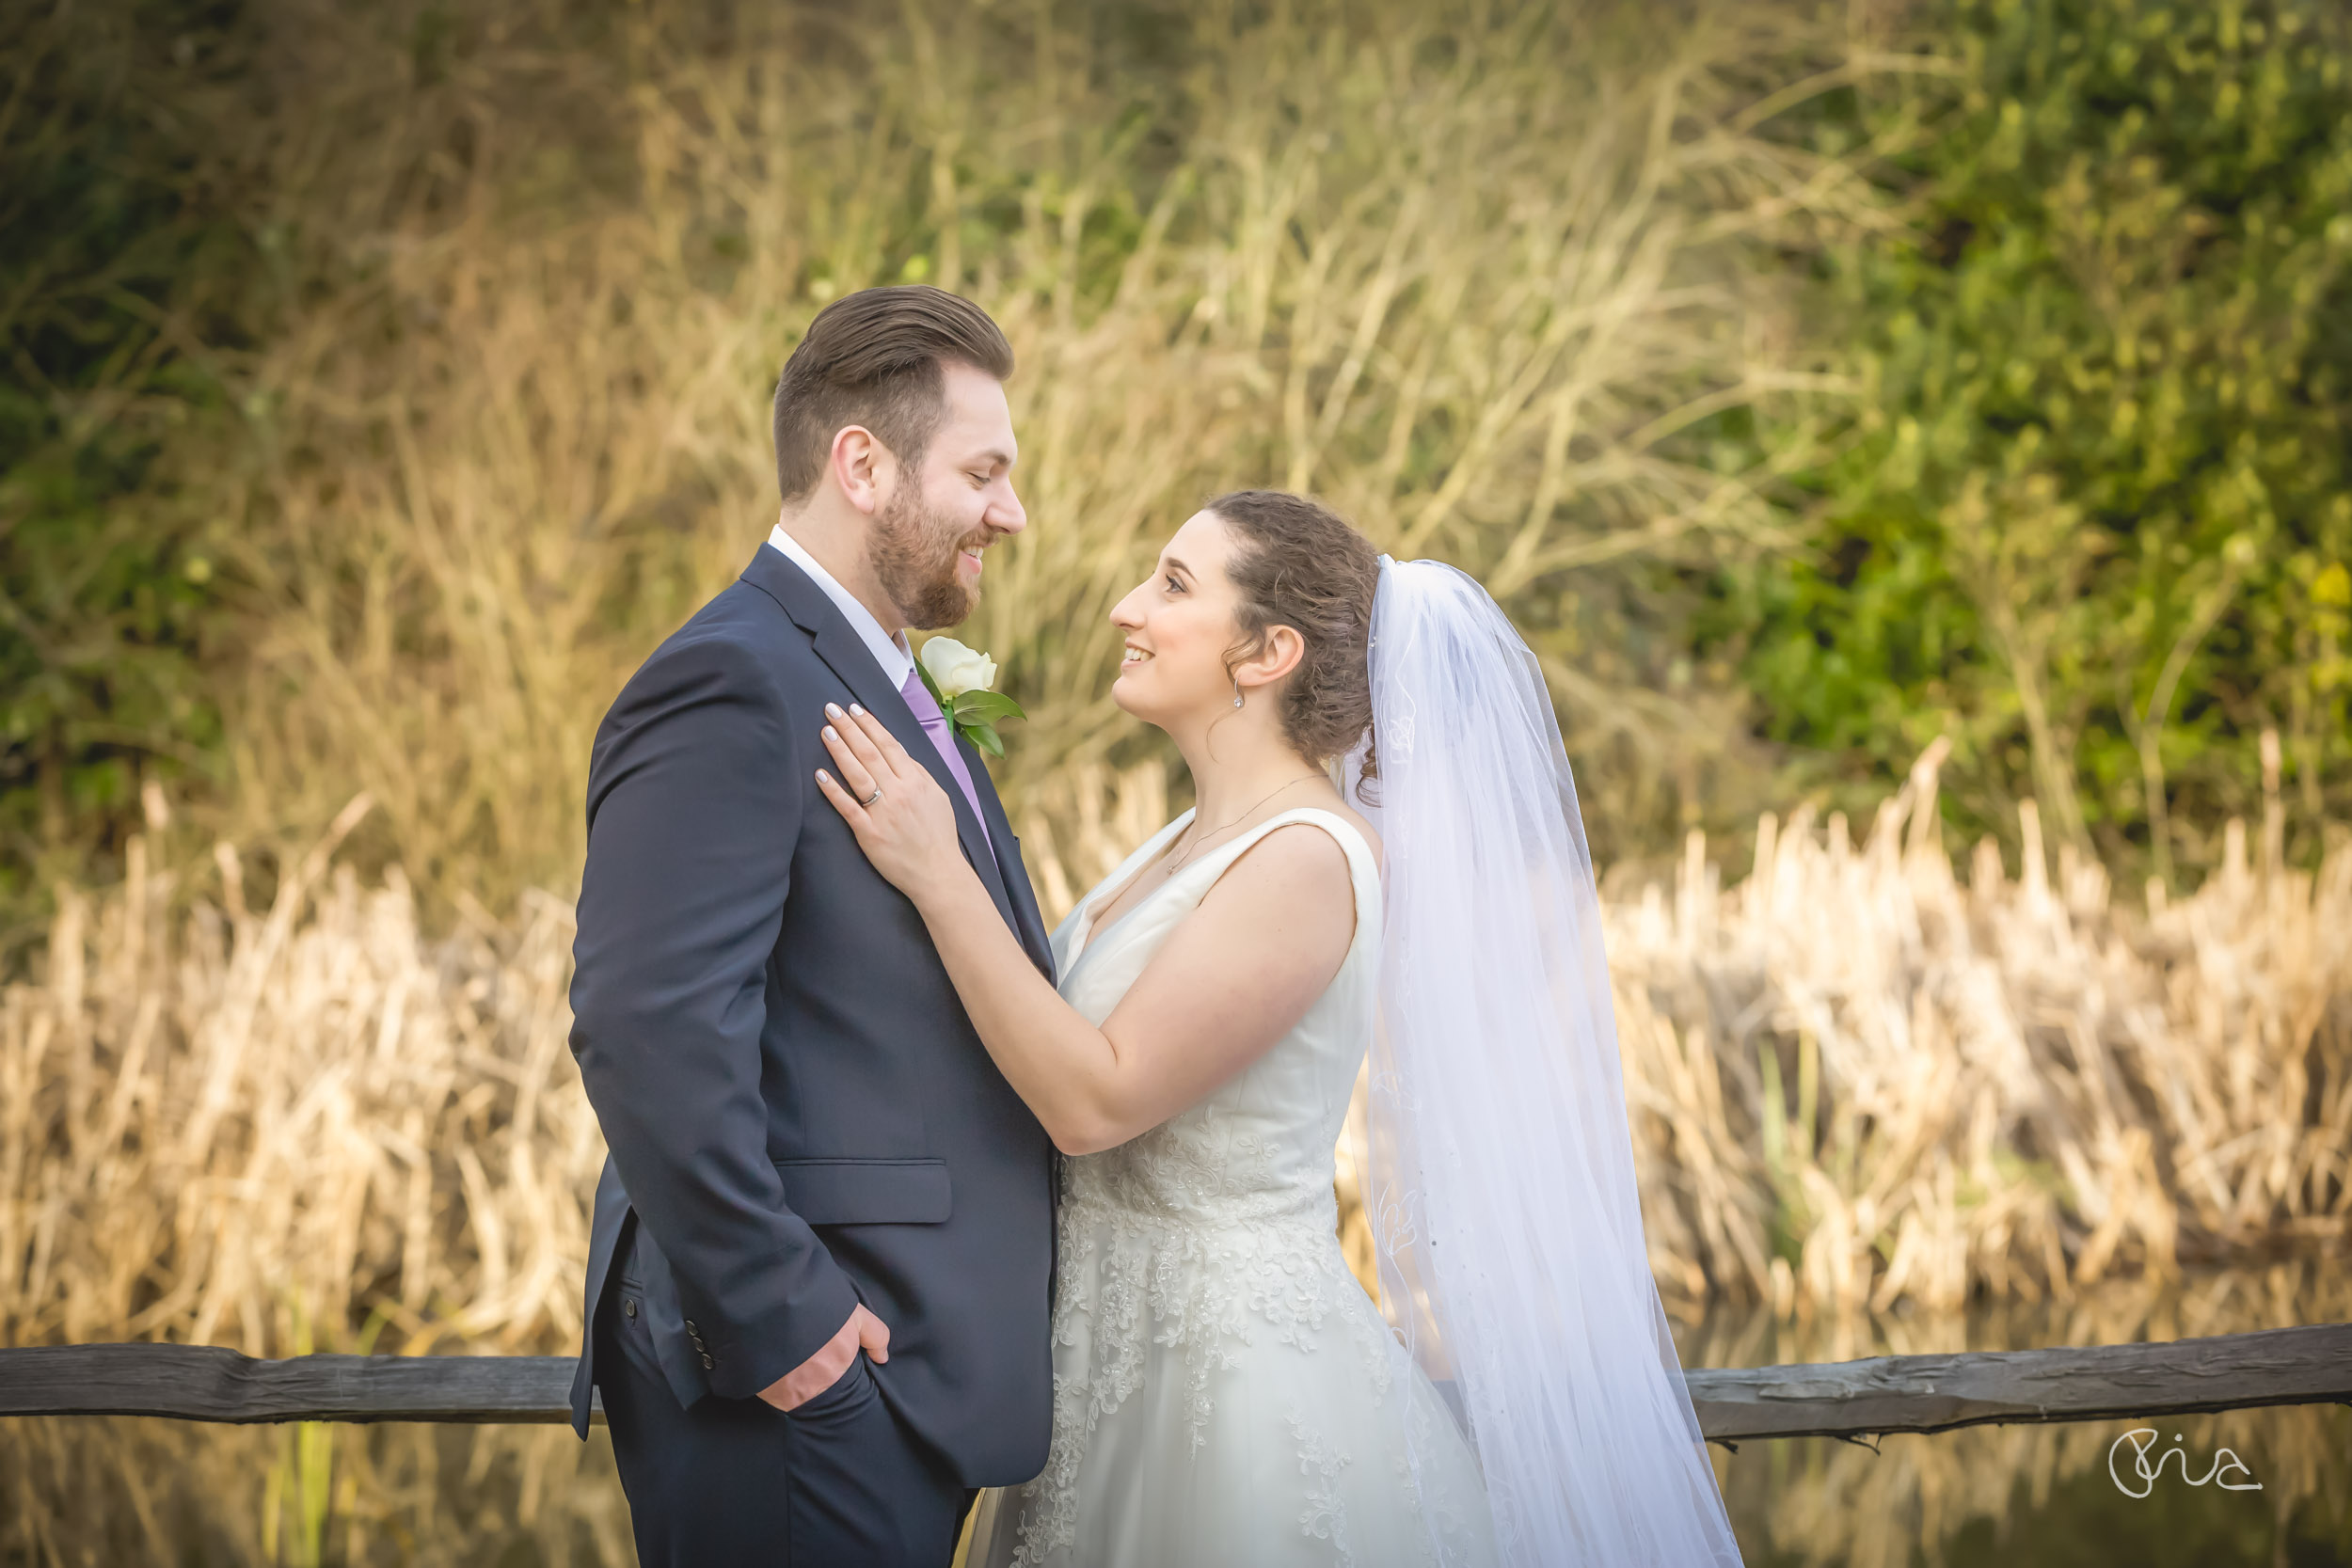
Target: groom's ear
{"points": [[862, 468]]}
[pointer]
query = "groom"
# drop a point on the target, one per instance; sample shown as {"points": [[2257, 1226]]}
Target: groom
{"points": [[819, 1269]]}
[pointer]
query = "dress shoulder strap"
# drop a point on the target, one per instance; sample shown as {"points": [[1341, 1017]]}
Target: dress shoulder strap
{"points": [[1364, 867]]}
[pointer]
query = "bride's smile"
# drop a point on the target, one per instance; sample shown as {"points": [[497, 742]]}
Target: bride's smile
{"points": [[1179, 623], [1191, 655]]}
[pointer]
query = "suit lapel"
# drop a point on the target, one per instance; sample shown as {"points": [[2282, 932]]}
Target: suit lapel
{"points": [[1027, 922], [838, 644]]}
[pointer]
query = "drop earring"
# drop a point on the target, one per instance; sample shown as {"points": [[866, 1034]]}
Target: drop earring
{"points": [[1237, 691]]}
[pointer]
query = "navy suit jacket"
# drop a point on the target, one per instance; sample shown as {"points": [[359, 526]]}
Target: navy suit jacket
{"points": [[800, 1114]]}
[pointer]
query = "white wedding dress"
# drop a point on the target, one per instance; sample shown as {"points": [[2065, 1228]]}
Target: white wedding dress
{"points": [[1224, 1391]]}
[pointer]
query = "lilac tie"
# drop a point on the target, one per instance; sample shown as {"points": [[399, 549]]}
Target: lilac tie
{"points": [[926, 712]]}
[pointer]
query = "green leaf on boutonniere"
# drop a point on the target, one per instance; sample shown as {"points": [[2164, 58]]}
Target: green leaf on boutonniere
{"points": [[983, 736], [986, 707]]}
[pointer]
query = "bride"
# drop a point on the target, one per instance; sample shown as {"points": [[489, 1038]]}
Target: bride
{"points": [[1225, 1392]]}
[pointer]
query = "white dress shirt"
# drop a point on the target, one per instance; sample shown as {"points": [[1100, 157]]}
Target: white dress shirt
{"points": [[890, 649]]}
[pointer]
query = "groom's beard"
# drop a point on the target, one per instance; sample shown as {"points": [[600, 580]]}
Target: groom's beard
{"points": [[914, 554]]}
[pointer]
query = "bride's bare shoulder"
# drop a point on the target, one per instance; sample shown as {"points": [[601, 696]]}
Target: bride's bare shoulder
{"points": [[1299, 860], [1341, 807], [1298, 845]]}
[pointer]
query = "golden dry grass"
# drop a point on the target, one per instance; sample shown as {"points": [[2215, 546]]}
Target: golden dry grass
{"points": [[1857, 1079], [1855, 1084], [229, 1126], [517, 437], [315, 1124]]}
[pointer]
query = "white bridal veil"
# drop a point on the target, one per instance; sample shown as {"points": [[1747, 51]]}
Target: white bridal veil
{"points": [[1501, 1183]]}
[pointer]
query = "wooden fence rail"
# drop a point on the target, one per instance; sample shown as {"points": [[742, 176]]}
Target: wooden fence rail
{"points": [[1847, 1399]]}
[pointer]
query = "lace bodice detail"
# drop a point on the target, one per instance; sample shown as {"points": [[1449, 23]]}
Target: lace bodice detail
{"points": [[1259, 1149]]}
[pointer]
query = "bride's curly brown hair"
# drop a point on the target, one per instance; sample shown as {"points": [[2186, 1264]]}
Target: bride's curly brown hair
{"points": [[1299, 565]]}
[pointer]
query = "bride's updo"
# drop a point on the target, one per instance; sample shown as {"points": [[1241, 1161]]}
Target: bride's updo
{"points": [[1297, 564]]}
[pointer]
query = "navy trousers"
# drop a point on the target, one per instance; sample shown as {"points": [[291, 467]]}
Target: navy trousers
{"points": [[836, 1483]]}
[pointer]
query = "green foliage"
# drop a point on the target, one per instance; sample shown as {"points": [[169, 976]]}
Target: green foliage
{"points": [[120, 283], [2093, 515], [408, 349]]}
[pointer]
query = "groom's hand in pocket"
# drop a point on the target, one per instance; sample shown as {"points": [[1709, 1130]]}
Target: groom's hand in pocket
{"points": [[823, 1369]]}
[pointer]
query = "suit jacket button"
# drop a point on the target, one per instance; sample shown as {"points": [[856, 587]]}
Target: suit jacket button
{"points": [[708, 1363], [629, 1308]]}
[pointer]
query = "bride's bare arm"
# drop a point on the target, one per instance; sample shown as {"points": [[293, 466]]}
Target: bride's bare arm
{"points": [[1229, 982]]}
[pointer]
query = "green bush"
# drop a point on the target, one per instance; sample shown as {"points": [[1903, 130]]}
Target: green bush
{"points": [[123, 283], [2093, 510]]}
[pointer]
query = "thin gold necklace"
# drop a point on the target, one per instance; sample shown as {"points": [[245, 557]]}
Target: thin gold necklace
{"points": [[1177, 863]]}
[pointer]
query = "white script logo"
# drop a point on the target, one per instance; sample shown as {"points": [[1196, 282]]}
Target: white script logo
{"points": [[2143, 1439]]}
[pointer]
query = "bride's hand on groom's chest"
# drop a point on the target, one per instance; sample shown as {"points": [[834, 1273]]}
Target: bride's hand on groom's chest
{"points": [[900, 817]]}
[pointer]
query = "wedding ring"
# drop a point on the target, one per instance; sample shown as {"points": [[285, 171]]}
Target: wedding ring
{"points": [[871, 799]]}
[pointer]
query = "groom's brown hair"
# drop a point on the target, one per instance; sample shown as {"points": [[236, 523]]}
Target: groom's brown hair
{"points": [[877, 358]]}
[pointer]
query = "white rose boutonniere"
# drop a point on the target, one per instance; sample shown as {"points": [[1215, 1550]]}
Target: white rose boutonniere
{"points": [[959, 678]]}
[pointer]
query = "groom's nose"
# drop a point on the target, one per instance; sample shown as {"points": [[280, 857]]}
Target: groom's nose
{"points": [[1005, 514]]}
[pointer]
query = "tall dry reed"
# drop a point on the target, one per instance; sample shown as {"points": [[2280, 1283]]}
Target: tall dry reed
{"points": [[1861, 1091], [305, 1123], [1855, 1084], [1858, 1079]]}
